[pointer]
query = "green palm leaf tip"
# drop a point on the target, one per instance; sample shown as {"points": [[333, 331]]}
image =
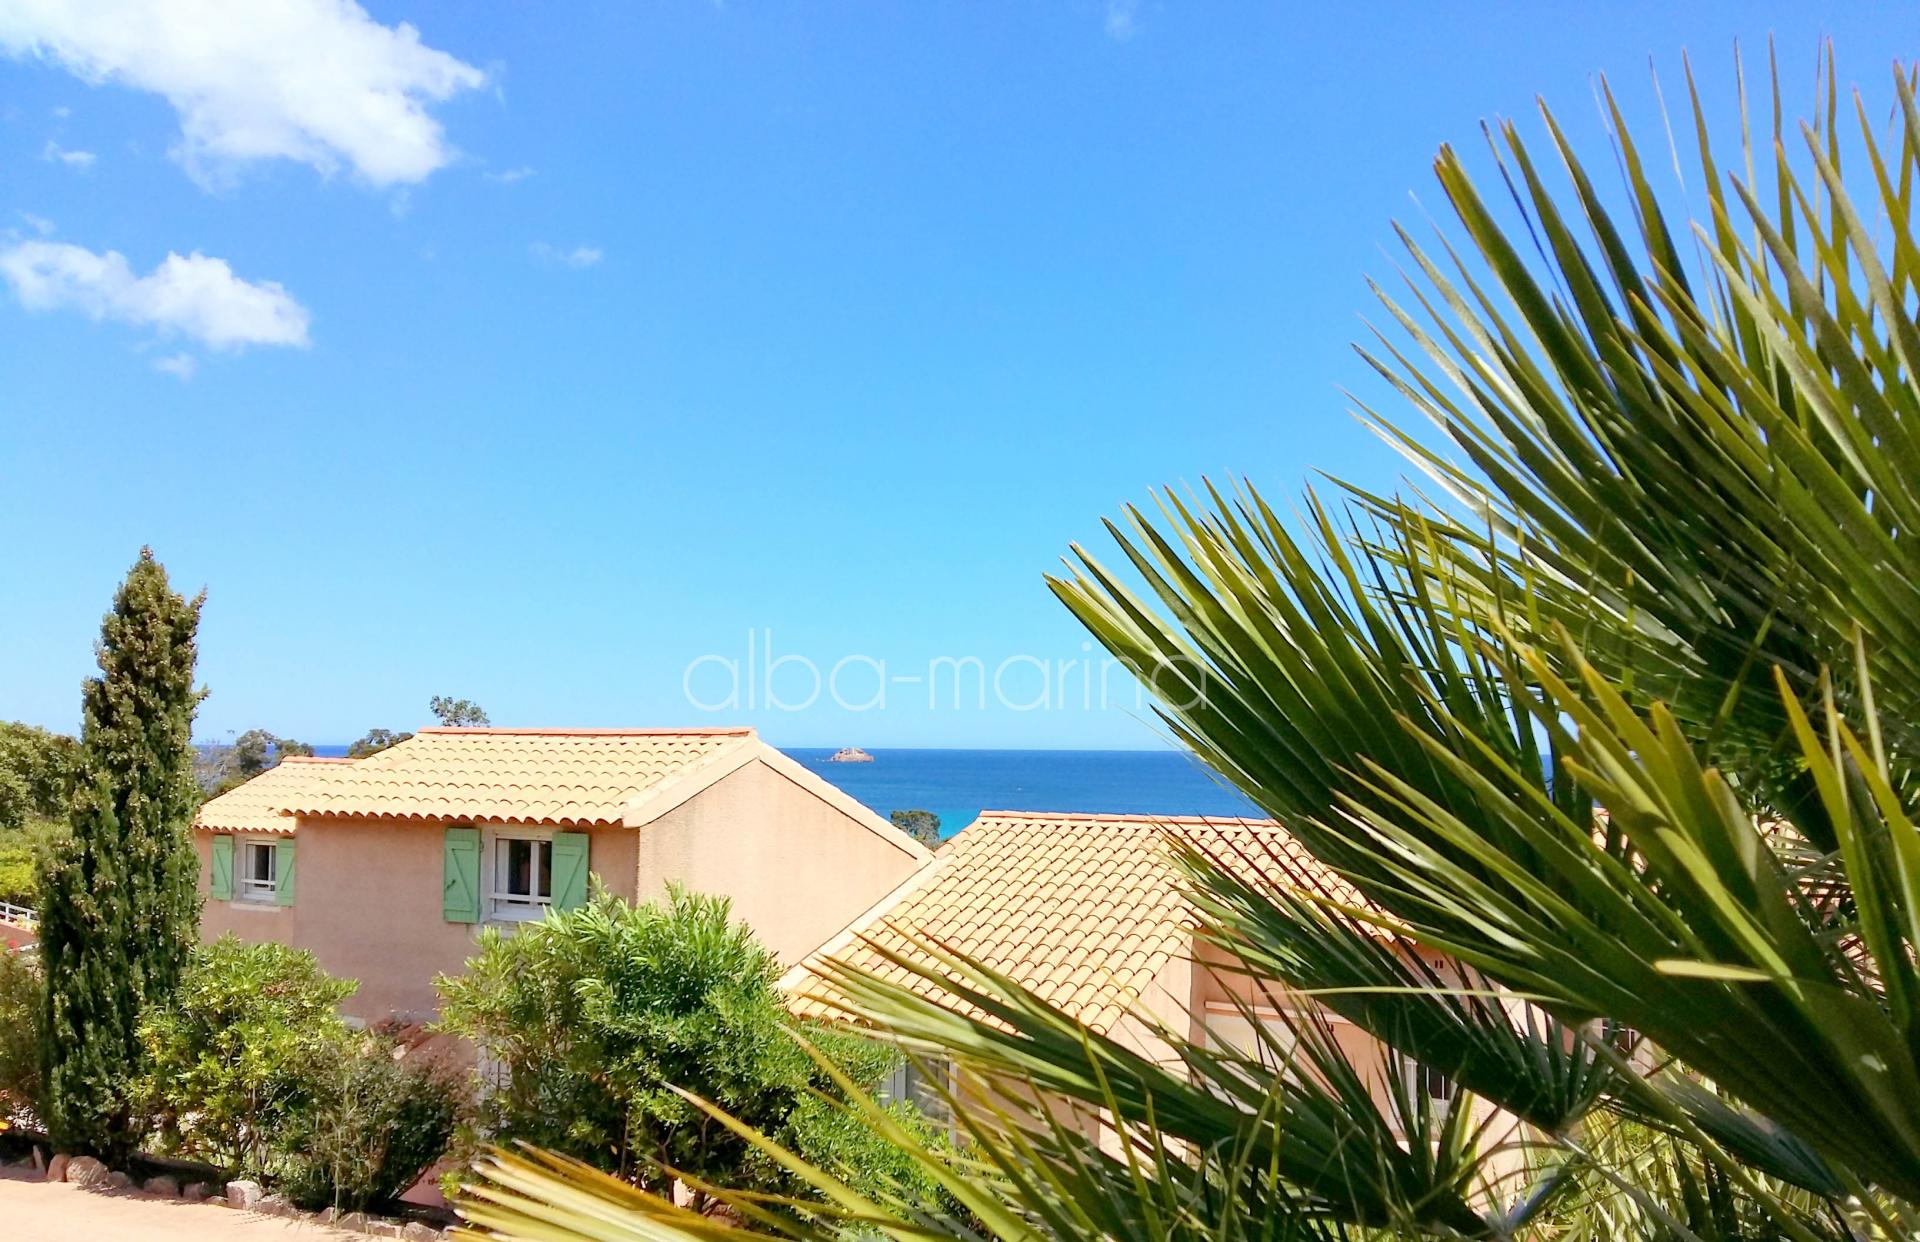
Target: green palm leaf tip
{"points": [[1669, 577]]}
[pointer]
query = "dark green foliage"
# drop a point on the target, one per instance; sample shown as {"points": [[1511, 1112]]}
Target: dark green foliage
{"points": [[20, 851], [830, 1135], [119, 897], [21, 1002], [36, 774], [239, 1051], [252, 1069], [252, 753], [374, 741], [457, 713], [378, 1118], [596, 1014], [922, 826]]}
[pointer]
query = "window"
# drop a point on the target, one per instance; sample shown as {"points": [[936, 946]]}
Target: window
{"points": [[926, 1085], [522, 876], [259, 871], [1438, 1087]]}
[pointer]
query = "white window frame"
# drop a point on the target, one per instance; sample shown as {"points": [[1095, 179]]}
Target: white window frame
{"points": [[504, 907], [1440, 1089], [245, 887], [910, 1084]]}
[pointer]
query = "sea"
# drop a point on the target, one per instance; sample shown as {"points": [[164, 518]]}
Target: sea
{"points": [[957, 785]]}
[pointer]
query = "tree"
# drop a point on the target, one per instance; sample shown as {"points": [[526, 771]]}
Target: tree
{"points": [[36, 784], [220, 768], [252, 754], [374, 741], [1629, 727], [256, 750], [922, 826], [596, 1018], [36, 773], [120, 902], [457, 713]]}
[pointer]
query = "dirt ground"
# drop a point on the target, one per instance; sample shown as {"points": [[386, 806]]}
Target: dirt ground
{"points": [[35, 1211]]}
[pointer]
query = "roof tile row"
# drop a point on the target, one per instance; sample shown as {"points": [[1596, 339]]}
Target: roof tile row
{"points": [[1084, 911], [573, 777]]}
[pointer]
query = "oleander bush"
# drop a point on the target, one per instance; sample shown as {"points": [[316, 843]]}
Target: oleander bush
{"points": [[252, 1069], [21, 998], [239, 1052], [595, 1021], [379, 1115]]}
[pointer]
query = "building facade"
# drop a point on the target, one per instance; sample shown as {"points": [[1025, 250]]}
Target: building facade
{"points": [[386, 867]]}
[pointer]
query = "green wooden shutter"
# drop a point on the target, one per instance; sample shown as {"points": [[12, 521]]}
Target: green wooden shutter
{"points": [[569, 870], [222, 887], [460, 893], [283, 872]]}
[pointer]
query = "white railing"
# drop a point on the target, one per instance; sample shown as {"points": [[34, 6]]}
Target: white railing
{"points": [[19, 916]]}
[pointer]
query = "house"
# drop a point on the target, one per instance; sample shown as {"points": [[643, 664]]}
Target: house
{"points": [[1086, 912], [386, 867]]}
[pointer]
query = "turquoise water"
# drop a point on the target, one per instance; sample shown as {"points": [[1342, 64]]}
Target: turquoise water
{"points": [[957, 785]]}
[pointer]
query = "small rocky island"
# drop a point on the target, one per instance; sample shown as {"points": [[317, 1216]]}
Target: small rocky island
{"points": [[850, 754]]}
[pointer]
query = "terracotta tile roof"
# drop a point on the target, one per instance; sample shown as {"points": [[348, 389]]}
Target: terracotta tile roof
{"points": [[257, 806], [1083, 910], [519, 776]]}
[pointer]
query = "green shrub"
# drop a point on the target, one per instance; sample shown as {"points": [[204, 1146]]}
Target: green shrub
{"points": [[36, 773], [21, 999], [17, 869], [378, 1118], [593, 1016], [240, 1051], [19, 859]]}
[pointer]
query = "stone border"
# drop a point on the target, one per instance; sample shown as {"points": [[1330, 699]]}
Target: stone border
{"points": [[247, 1196]]}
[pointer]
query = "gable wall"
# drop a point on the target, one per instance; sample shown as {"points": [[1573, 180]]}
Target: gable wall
{"points": [[797, 867]]}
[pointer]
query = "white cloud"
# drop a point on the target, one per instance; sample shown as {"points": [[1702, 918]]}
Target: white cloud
{"points": [[318, 81], [576, 258], [194, 296], [1122, 20], [39, 224], [53, 151], [508, 176], [180, 365]]}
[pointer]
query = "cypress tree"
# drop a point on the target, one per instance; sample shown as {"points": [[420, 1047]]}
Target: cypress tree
{"points": [[120, 892]]}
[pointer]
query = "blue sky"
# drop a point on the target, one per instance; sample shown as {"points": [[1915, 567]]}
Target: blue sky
{"points": [[540, 356]]}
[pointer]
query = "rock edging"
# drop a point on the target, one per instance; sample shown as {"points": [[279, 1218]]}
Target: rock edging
{"points": [[242, 1193]]}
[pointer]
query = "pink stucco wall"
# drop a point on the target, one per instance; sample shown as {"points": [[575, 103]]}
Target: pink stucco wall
{"points": [[797, 867], [367, 904], [368, 892]]}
